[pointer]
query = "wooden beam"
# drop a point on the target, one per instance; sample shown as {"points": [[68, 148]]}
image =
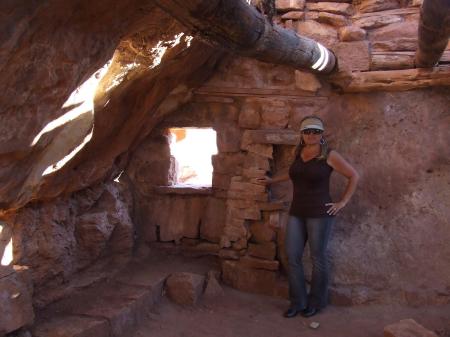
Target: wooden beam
{"points": [[434, 31], [240, 28]]}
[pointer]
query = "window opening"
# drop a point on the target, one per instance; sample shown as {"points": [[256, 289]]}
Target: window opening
{"points": [[192, 149]]}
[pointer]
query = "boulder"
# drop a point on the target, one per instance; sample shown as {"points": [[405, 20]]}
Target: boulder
{"points": [[185, 288]]}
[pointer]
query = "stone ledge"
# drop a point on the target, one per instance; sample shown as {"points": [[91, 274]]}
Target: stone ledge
{"points": [[272, 136], [184, 190], [392, 80]]}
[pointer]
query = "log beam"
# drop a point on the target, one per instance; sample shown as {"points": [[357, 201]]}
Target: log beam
{"points": [[240, 28], [434, 31]]}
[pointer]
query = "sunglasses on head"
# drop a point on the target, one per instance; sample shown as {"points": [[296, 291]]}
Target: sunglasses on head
{"points": [[312, 132]]}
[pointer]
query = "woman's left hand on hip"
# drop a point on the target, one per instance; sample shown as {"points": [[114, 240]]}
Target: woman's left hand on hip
{"points": [[335, 207]]}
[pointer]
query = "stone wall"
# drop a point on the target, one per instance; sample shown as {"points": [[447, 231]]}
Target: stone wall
{"points": [[390, 243]]}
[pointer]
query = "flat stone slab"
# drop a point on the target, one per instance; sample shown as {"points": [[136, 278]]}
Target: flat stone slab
{"points": [[72, 326]]}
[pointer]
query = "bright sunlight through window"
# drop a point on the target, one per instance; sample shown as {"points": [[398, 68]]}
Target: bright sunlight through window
{"points": [[192, 149]]}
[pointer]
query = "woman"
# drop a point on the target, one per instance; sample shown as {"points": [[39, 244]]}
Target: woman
{"points": [[312, 214]]}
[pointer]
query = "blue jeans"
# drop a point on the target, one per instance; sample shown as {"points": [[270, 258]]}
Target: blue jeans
{"points": [[317, 232]]}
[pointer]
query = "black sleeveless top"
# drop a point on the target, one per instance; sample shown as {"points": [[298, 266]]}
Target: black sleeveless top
{"points": [[311, 182]]}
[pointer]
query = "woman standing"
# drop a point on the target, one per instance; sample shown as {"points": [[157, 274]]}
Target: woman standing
{"points": [[312, 214]]}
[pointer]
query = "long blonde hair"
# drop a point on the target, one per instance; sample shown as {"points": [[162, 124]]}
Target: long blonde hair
{"points": [[324, 149]]}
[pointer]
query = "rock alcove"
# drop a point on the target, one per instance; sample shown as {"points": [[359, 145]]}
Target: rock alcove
{"points": [[89, 91]]}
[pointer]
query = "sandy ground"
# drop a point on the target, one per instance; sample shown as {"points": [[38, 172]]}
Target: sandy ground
{"points": [[239, 314]]}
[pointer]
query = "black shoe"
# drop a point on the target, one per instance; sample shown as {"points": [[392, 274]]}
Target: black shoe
{"points": [[291, 312], [308, 312]]}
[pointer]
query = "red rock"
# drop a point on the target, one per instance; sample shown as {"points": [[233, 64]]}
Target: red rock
{"points": [[352, 33], [353, 56], [293, 15], [247, 195], [392, 60], [227, 163], [331, 7], [272, 136], [407, 328], [261, 232], [185, 288], [16, 305], [322, 33], [307, 81], [256, 162], [397, 44], [73, 326], [263, 150], [228, 138], [253, 173], [289, 5], [332, 19], [246, 279], [213, 289], [93, 232], [263, 250], [377, 5], [230, 254], [213, 220], [244, 213], [406, 29], [249, 116], [377, 21], [273, 117], [256, 263], [221, 181], [248, 187]]}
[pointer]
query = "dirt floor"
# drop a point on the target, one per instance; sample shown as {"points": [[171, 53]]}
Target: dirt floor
{"points": [[239, 314]]}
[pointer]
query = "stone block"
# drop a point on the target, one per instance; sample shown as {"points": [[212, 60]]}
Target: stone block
{"points": [[293, 15], [235, 229], [376, 21], [407, 328], [249, 117], [242, 203], [367, 6], [248, 279], [227, 163], [392, 60], [264, 150], [396, 44], [261, 232], [352, 33], [272, 136], [335, 20], [229, 254], [255, 161], [289, 5], [244, 213], [72, 326], [255, 263], [244, 195], [322, 33], [248, 187], [307, 81], [265, 250], [15, 305], [404, 29], [253, 173], [331, 7], [228, 138], [353, 56], [221, 181], [213, 221], [185, 288], [273, 117]]}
